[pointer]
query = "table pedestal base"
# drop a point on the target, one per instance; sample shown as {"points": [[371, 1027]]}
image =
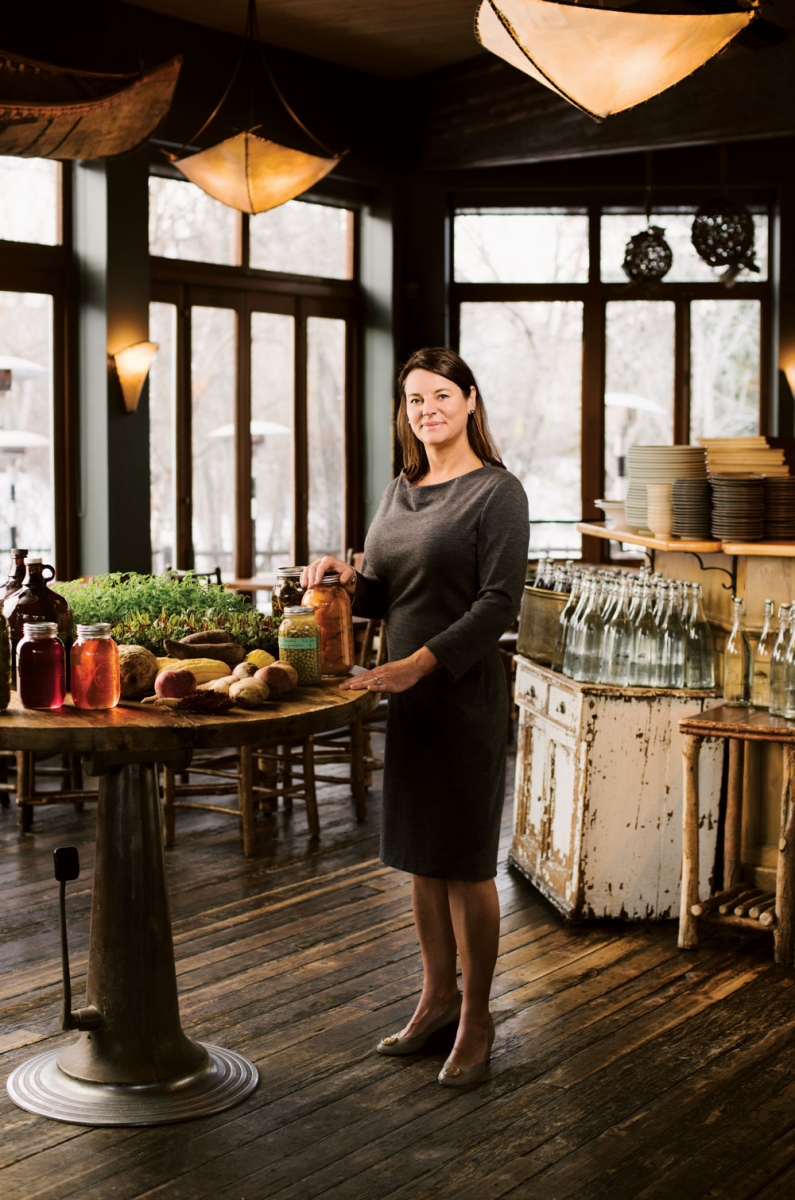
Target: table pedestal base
{"points": [[40, 1086], [137, 1066]]}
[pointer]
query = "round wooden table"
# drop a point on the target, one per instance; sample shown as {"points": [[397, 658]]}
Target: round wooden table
{"points": [[132, 1064]]}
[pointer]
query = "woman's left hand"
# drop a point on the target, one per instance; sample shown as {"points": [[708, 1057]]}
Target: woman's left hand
{"points": [[397, 676]]}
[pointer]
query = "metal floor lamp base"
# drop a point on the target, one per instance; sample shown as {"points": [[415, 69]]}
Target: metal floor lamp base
{"points": [[40, 1086]]}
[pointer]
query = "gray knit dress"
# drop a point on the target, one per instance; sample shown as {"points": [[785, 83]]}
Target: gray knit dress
{"points": [[445, 566]]}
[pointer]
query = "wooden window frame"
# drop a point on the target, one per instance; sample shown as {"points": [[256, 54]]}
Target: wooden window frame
{"points": [[186, 284], [595, 295], [33, 267]]}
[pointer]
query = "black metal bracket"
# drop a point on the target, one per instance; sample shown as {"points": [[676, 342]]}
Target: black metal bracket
{"points": [[731, 574]]}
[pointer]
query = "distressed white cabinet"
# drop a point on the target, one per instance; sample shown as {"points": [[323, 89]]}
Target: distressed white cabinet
{"points": [[598, 799]]}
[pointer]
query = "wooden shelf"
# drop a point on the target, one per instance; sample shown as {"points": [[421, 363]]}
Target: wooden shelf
{"points": [[761, 549], [594, 529], [749, 549]]}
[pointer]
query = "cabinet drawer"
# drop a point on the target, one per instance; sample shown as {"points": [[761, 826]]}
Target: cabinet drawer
{"points": [[564, 706], [531, 691]]}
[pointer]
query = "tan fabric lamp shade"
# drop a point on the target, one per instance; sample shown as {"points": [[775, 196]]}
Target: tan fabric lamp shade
{"points": [[602, 60], [252, 174]]}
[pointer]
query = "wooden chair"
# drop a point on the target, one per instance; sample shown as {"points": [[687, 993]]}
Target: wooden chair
{"points": [[258, 778], [29, 798]]}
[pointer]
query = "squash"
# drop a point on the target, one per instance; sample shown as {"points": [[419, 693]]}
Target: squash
{"points": [[260, 658], [203, 669]]}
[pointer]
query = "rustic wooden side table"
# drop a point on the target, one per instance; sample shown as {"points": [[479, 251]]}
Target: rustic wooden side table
{"points": [[738, 725], [132, 1064]]}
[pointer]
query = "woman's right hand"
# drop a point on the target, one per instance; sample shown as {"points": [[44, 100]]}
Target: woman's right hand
{"points": [[317, 569]]}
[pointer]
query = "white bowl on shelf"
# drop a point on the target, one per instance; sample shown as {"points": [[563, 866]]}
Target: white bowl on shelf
{"points": [[615, 513]]}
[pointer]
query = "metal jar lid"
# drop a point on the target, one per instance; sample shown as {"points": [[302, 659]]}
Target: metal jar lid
{"points": [[100, 629], [40, 629], [289, 572], [299, 610], [331, 577]]}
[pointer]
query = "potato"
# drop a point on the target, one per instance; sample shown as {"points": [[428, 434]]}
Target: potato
{"points": [[248, 693], [221, 686], [244, 670], [174, 684], [280, 678]]}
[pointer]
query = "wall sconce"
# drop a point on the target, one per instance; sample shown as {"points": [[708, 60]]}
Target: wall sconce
{"points": [[132, 367], [789, 371]]}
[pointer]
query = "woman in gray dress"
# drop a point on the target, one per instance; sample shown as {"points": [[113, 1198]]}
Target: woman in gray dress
{"points": [[445, 563]]}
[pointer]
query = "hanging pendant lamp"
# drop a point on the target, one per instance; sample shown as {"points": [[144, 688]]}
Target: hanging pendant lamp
{"points": [[603, 60], [248, 172]]}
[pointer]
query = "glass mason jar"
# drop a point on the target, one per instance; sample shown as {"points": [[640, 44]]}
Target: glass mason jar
{"points": [[96, 680], [299, 644], [41, 666], [288, 591], [332, 608]]}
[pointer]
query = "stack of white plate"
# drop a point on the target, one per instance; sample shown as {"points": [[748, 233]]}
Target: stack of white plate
{"points": [[659, 464]]}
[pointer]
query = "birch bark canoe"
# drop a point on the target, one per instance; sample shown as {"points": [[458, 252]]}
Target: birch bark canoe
{"points": [[48, 111]]}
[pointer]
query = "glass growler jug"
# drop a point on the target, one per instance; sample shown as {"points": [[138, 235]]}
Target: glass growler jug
{"points": [[34, 603]]}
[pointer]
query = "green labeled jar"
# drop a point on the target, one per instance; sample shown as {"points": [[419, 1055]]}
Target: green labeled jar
{"points": [[299, 644]]}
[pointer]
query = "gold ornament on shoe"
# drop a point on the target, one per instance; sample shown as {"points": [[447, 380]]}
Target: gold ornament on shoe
{"points": [[452, 1070], [389, 1041]]}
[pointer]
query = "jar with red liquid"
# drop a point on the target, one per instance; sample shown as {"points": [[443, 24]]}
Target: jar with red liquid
{"points": [[332, 608], [41, 666], [96, 681]]}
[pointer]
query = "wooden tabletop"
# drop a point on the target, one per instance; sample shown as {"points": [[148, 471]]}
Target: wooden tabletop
{"points": [[747, 724], [135, 728]]}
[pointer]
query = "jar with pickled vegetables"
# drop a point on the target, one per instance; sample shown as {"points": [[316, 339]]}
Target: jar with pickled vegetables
{"points": [[299, 644], [288, 590], [332, 609], [96, 678]]}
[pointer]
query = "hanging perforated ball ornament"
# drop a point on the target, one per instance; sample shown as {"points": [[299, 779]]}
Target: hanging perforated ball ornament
{"points": [[648, 256], [723, 236]]}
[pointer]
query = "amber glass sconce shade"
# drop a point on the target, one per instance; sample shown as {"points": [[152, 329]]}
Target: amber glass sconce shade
{"points": [[132, 367], [603, 60]]}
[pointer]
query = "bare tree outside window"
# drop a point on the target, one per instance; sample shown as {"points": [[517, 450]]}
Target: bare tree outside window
{"points": [[724, 399], [26, 452], [214, 377], [184, 222], [326, 433], [272, 439], [29, 200], [162, 435]]}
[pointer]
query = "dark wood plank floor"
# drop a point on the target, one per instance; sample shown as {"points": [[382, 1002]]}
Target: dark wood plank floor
{"points": [[622, 1067]]}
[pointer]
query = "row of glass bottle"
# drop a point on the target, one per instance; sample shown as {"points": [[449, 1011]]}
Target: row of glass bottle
{"points": [[765, 677], [633, 629]]}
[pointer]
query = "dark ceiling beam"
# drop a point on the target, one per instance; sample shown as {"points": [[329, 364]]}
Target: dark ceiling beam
{"points": [[346, 109], [484, 113]]}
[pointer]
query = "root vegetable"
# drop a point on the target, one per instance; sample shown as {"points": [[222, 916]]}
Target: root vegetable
{"points": [[244, 670], [221, 686], [227, 652], [248, 693], [174, 684], [137, 668], [206, 637], [279, 677]]}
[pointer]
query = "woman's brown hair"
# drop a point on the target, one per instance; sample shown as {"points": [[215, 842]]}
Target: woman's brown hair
{"points": [[442, 361]]}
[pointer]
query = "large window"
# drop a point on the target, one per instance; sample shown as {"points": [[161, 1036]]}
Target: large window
{"points": [[253, 404], [37, 462], [576, 365]]}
